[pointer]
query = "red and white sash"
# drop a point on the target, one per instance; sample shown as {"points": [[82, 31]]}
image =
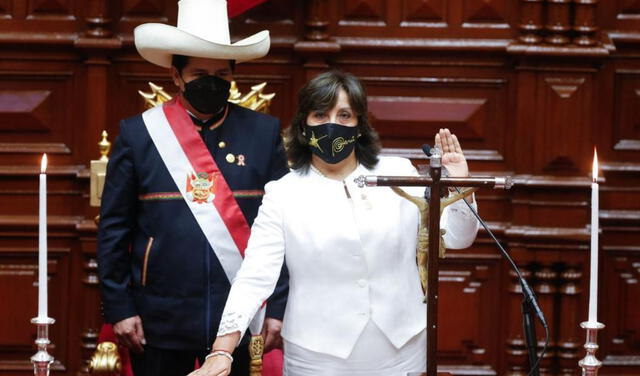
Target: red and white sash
{"points": [[208, 196]]}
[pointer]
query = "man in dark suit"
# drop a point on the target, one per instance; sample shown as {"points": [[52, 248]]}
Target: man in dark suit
{"points": [[177, 206]]}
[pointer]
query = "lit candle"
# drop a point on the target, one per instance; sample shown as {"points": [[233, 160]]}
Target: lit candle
{"points": [[593, 285], [42, 242]]}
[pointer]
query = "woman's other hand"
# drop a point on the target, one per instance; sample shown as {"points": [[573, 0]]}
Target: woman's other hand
{"points": [[217, 365]]}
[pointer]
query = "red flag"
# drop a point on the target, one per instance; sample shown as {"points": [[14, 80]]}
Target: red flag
{"points": [[237, 7]]}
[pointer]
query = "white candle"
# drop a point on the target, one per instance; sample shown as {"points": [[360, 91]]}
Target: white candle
{"points": [[593, 285], [42, 242]]}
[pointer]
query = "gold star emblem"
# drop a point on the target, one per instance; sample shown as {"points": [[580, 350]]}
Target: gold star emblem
{"points": [[313, 142]]}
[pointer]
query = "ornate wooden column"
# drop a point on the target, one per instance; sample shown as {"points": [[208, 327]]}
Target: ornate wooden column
{"points": [[531, 21], [558, 23], [568, 332], [97, 20], [92, 317], [97, 43], [546, 292], [316, 21], [516, 348], [584, 23], [317, 45]]}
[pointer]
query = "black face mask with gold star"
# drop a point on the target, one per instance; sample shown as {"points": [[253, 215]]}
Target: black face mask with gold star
{"points": [[330, 141]]}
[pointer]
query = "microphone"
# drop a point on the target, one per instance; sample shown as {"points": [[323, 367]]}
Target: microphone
{"points": [[426, 149]]}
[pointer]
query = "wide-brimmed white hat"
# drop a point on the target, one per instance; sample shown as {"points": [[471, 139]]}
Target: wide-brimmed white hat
{"points": [[202, 31]]}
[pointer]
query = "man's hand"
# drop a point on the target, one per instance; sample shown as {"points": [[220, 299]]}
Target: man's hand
{"points": [[271, 334], [452, 157], [130, 334]]}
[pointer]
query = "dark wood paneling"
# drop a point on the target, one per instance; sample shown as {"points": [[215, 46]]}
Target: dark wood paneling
{"points": [[502, 74]]}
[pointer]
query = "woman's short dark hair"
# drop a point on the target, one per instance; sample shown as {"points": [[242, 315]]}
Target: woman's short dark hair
{"points": [[321, 94]]}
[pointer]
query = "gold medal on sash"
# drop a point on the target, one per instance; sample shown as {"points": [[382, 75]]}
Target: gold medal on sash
{"points": [[201, 187]]}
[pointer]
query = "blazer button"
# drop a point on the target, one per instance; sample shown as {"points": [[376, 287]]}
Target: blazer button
{"points": [[362, 283]]}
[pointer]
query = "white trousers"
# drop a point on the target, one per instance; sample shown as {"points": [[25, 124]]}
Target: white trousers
{"points": [[373, 355]]}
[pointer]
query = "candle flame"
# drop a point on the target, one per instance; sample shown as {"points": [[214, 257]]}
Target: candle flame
{"points": [[594, 171], [43, 164]]}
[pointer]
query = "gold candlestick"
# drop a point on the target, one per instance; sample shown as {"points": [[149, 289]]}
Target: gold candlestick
{"points": [[590, 364]]}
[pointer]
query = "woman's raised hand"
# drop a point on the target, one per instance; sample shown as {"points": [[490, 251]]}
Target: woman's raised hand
{"points": [[452, 157]]}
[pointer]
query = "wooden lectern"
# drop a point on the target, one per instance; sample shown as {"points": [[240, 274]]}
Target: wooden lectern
{"points": [[437, 183]]}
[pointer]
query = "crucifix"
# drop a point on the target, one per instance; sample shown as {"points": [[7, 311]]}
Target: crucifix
{"points": [[430, 234]]}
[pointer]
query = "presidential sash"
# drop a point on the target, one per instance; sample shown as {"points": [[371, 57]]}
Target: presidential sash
{"points": [[202, 186]]}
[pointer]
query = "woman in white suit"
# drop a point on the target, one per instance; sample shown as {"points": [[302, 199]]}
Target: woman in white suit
{"points": [[355, 303]]}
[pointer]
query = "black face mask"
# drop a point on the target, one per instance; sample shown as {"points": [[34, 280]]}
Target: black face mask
{"points": [[331, 142], [208, 94]]}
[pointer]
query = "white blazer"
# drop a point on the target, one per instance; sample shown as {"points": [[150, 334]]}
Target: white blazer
{"points": [[351, 255]]}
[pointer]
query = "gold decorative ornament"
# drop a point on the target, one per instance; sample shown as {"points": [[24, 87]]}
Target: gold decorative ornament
{"points": [[230, 158], [256, 350], [157, 96], [104, 146], [253, 100], [106, 360], [222, 144], [423, 233], [99, 171]]}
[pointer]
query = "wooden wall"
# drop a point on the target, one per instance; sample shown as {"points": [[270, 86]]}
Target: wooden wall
{"points": [[530, 86]]}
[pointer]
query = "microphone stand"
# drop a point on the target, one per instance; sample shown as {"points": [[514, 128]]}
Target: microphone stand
{"points": [[529, 325]]}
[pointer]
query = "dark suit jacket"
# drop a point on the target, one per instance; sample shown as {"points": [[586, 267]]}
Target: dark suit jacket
{"points": [[153, 259]]}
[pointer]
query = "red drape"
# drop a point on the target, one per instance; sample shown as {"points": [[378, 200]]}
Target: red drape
{"points": [[237, 7], [271, 362]]}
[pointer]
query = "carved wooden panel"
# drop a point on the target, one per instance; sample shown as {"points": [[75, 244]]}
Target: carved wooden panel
{"points": [[275, 11], [365, 12], [621, 14], [423, 13], [622, 306], [131, 13], [143, 7], [565, 102], [30, 116], [5, 9], [428, 18], [280, 17], [626, 127], [494, 12], [408, 111], [629, 8], [49, 8], [19, 291], [468, 292]]}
